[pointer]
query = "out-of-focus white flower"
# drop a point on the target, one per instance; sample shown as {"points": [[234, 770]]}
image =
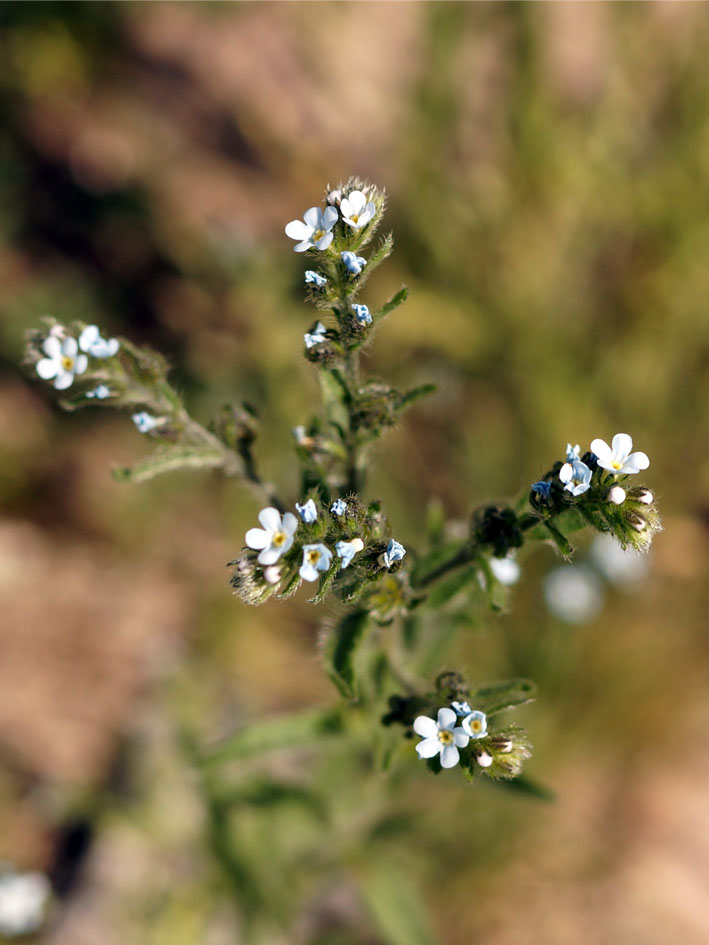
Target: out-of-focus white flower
{"points": [[276, 536], [440, 737], [92, 343], [506, 570], [308, 511], [100, 393], [622, 567], [145, 422], [576, 477], [315, 232], [23, 900], [315, 558], [315, 337], [62, 363], [338, 507], [356, 210], [475, 724], [618, 457], [573, 593], [348, 549]]}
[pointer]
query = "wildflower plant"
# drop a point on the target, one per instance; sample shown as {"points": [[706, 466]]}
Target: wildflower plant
{"points": [[385, 648]]}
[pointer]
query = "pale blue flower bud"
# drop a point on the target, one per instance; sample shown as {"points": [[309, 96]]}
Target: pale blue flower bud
{"points": [[308, 511], [352, 263], [338, 507], [395, 552], [362, 314], [314, 278]]}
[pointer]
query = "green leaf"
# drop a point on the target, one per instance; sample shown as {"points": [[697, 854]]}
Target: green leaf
{"points": [[395, 906], [503, 695], [273, 734], [446, 590], [416, 393], [169, 459], [559, 540], [326, 581], [394, 302], [340, 649]]}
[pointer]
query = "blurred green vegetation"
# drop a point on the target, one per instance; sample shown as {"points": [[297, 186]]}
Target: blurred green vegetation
{"points": [[546, 167]]}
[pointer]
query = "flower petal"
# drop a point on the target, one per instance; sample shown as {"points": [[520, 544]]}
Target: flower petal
{"points": [[270, 518], [637, 461], [425, 727], [601, 448], [357, 201], [345, 208], [449, 757], [308, 572], [313, 217], [52, 347], [428, 748], [289, 523], [566, 472], [324, 241], [64, 380], [47, 368], [297, 230], [302, 247], [446, 717], [460, 737], [329, 218], [69, 347], [81, 363], [88, 336], [269, 555], [257, 538], [622, 445]]}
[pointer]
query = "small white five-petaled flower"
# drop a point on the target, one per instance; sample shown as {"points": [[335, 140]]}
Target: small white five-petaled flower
{"points": [[348, 549], [315, 558], [475, 724], [441, 737], [576, 477], [618, 457], [62, 363], [308, 511], [92, 343], [356, 210], [276, 536], [315, 232]]}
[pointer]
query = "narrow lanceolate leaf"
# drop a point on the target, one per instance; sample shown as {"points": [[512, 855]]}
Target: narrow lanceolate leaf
{"points": [[169, 459], [340, 650], [504, 695], [395, 906], [561, 542], [416, 393], [394, 302], [287, 731], [382, 251]]}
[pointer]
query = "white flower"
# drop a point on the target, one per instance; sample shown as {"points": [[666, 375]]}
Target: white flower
{"points": [[352, 263], [100, 393], [276, 536], [62, 362], [92, 343], [573, 593], [23, 899], [362, 314], [576, 477], [145, 422], [621, 567], [475, 724], [338, 507], [484, 759], [308, 512], [461, 708], [315, 558], [315, 337], [618, 457], [314, 278], [440, 737], [356, 210], [506, 570], [315, 233], [572, 452], [272, 574], [394, 552], [348, 549]]}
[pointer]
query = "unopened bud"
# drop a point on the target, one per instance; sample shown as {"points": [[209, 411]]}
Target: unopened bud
{"points": [[636, 522], [334, 198], [272, 574], [505, 747], [646, 497], [484, 759], [616, 495]]}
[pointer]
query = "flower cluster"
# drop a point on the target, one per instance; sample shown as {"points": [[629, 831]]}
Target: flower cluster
{"points": [[595, 483], [319, 543], [62, 362]]}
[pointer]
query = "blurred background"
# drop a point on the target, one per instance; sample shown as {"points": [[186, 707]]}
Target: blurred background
{"points": [[547, 171]]}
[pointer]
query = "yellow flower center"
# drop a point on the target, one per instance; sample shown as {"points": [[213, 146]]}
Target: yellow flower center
{"points": [[318, 235], [445, 736], [355, 218], [313, 557], [278, 539], [476, 726], [616, 465], [67, 363]]}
